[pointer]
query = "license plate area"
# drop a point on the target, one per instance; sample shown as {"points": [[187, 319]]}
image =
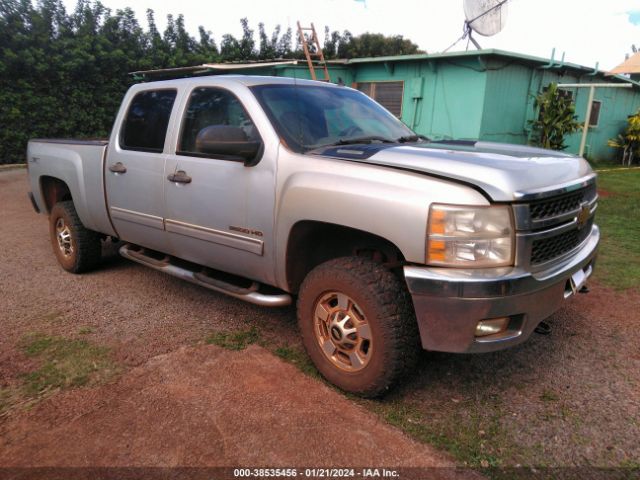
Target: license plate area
{"points": [[576, 282]]}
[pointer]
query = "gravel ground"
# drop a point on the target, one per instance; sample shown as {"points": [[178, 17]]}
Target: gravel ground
{"points": [[177, 402], [571, 398]]}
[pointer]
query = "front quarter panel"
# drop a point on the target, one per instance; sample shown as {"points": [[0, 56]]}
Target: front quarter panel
{"points": [[390, 203]]}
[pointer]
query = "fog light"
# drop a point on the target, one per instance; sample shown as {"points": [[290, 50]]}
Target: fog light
{"points": [[491, 326]]}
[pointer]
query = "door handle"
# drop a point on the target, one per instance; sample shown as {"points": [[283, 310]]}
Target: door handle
{"points": [[179, 177], [118, 168]]}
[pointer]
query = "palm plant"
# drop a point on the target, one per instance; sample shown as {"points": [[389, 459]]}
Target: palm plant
{"points": [[629, 141], [556, 119]]}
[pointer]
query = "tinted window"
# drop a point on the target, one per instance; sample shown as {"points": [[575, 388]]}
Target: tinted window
{"points": [[213, 107], [309, 117], [145, 125]]}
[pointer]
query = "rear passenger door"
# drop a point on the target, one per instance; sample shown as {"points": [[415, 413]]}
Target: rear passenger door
{"points": [[134, 170]]}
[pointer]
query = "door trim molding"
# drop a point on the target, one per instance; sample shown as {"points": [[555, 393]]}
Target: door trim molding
{"points": [[145, 219], [219, 237]]}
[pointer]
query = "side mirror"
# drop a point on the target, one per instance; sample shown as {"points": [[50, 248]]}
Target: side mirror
{"points": [[228, 141]]}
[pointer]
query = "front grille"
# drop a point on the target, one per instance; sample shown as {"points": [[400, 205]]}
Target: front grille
{"points": [[549, 208], [547, 249]]}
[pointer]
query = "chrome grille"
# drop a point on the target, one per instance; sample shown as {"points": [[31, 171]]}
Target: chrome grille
{"points": [[550, 225], [556, 206], [547, 249]]}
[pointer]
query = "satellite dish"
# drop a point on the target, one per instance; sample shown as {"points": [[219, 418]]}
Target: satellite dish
{"points": [[485, 17]]}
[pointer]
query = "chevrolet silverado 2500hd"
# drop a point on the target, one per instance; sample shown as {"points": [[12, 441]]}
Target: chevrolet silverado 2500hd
{"points": [[271, 188]]}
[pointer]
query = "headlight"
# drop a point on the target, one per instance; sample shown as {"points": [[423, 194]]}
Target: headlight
{"points": [[466, 236]]}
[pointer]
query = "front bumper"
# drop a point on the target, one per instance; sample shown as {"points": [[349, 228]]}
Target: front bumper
{"points": [[450, 302]]}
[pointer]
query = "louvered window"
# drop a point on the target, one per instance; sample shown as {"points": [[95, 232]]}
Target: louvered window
{"points": [[387, 94]]}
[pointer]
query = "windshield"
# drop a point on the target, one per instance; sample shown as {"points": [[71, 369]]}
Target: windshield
{"points": [[310, 117]]}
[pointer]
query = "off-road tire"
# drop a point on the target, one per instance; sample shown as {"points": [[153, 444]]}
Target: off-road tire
{"points": [[85, 246], [383, 299]]}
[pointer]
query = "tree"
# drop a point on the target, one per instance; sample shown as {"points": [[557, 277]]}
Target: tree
{"points": [[229, 48], [63, 74], [247, 43], [556, 119], [346, 45], [629, 140], [284, 45]]}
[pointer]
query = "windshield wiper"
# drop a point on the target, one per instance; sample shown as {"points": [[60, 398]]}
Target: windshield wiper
{"points": [[367, 139], [412, 138], [352, 141]]}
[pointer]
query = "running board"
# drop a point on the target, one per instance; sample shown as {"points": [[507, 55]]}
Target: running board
{"points": [[250, 294]]}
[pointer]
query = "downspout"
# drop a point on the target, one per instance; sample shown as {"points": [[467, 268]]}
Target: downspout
{"points": [[415, 112], [551, 60], [548, 66]]}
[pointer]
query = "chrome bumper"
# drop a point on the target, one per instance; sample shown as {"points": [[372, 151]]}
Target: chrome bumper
{"points": [[450, 302]]}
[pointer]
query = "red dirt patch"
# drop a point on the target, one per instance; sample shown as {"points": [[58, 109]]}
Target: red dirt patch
{"points": [[205, 406], [605, 193]]}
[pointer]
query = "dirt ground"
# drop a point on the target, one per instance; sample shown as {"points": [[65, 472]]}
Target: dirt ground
{"points": [[178, 402], [571, 398]]}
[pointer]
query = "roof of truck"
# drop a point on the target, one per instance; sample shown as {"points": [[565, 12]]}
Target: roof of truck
{"points": [[247, 80]]}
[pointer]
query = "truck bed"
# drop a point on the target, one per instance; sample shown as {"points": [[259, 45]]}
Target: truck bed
{"points": [[78, 163]]}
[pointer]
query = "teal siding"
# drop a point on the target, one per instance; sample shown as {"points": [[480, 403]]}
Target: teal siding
{"points": [[505, 114], [453, 103], [486, 95], [439, 100]]}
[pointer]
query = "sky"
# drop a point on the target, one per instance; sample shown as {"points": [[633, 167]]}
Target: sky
{"points": [[588, 31]]}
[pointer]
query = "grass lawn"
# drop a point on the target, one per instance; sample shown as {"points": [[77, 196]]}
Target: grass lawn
{"points": [[61, 363], [618, 215]]}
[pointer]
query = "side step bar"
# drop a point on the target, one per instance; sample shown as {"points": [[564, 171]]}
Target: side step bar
{"points": [[250, 294]]}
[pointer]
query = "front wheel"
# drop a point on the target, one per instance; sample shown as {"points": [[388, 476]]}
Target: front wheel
{"points": [[77, 248], [357, 325]]}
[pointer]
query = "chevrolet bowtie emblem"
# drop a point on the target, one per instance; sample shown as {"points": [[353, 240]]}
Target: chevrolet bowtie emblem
{"points": [[583, 215]]}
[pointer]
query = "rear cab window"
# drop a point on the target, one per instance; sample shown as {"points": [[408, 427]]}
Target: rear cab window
{"points": [[145, 125]]}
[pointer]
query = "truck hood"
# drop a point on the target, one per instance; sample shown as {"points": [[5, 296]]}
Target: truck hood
{"points": [[504, 172]]}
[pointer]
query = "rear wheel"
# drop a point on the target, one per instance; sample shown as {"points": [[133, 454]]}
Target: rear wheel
{"points": [[357, 325], [77, 248]]}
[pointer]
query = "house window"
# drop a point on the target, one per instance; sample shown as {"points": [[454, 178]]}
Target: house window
{"points": [[387, 94], [564, 93], [595, 113]]}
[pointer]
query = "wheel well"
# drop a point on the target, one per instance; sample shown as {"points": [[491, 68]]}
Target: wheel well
{"points": [[54, 190], [312, 243]]}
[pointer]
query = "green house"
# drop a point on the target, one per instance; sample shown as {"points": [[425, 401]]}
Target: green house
{"points": [[473, 95]]}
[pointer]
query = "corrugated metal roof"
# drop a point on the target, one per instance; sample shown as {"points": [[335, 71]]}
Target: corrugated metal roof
{"points": [[209, 67], [205, 67], [242, 66], [630, 65], [475, 53]]}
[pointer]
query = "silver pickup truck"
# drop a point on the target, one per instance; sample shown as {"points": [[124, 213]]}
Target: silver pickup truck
{"points": [[268, 188]]}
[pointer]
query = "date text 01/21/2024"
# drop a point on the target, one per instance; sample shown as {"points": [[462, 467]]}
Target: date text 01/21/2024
{"points": [[315, 472]]}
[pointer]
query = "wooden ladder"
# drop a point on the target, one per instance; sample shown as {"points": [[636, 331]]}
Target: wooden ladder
{"points": [[317, 53]]}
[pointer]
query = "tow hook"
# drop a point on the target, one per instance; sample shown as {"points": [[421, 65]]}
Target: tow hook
{"points": [[543, 328], [584, 289]]}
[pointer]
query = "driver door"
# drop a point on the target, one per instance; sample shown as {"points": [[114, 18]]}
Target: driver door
{"points": [[219, 212]]}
